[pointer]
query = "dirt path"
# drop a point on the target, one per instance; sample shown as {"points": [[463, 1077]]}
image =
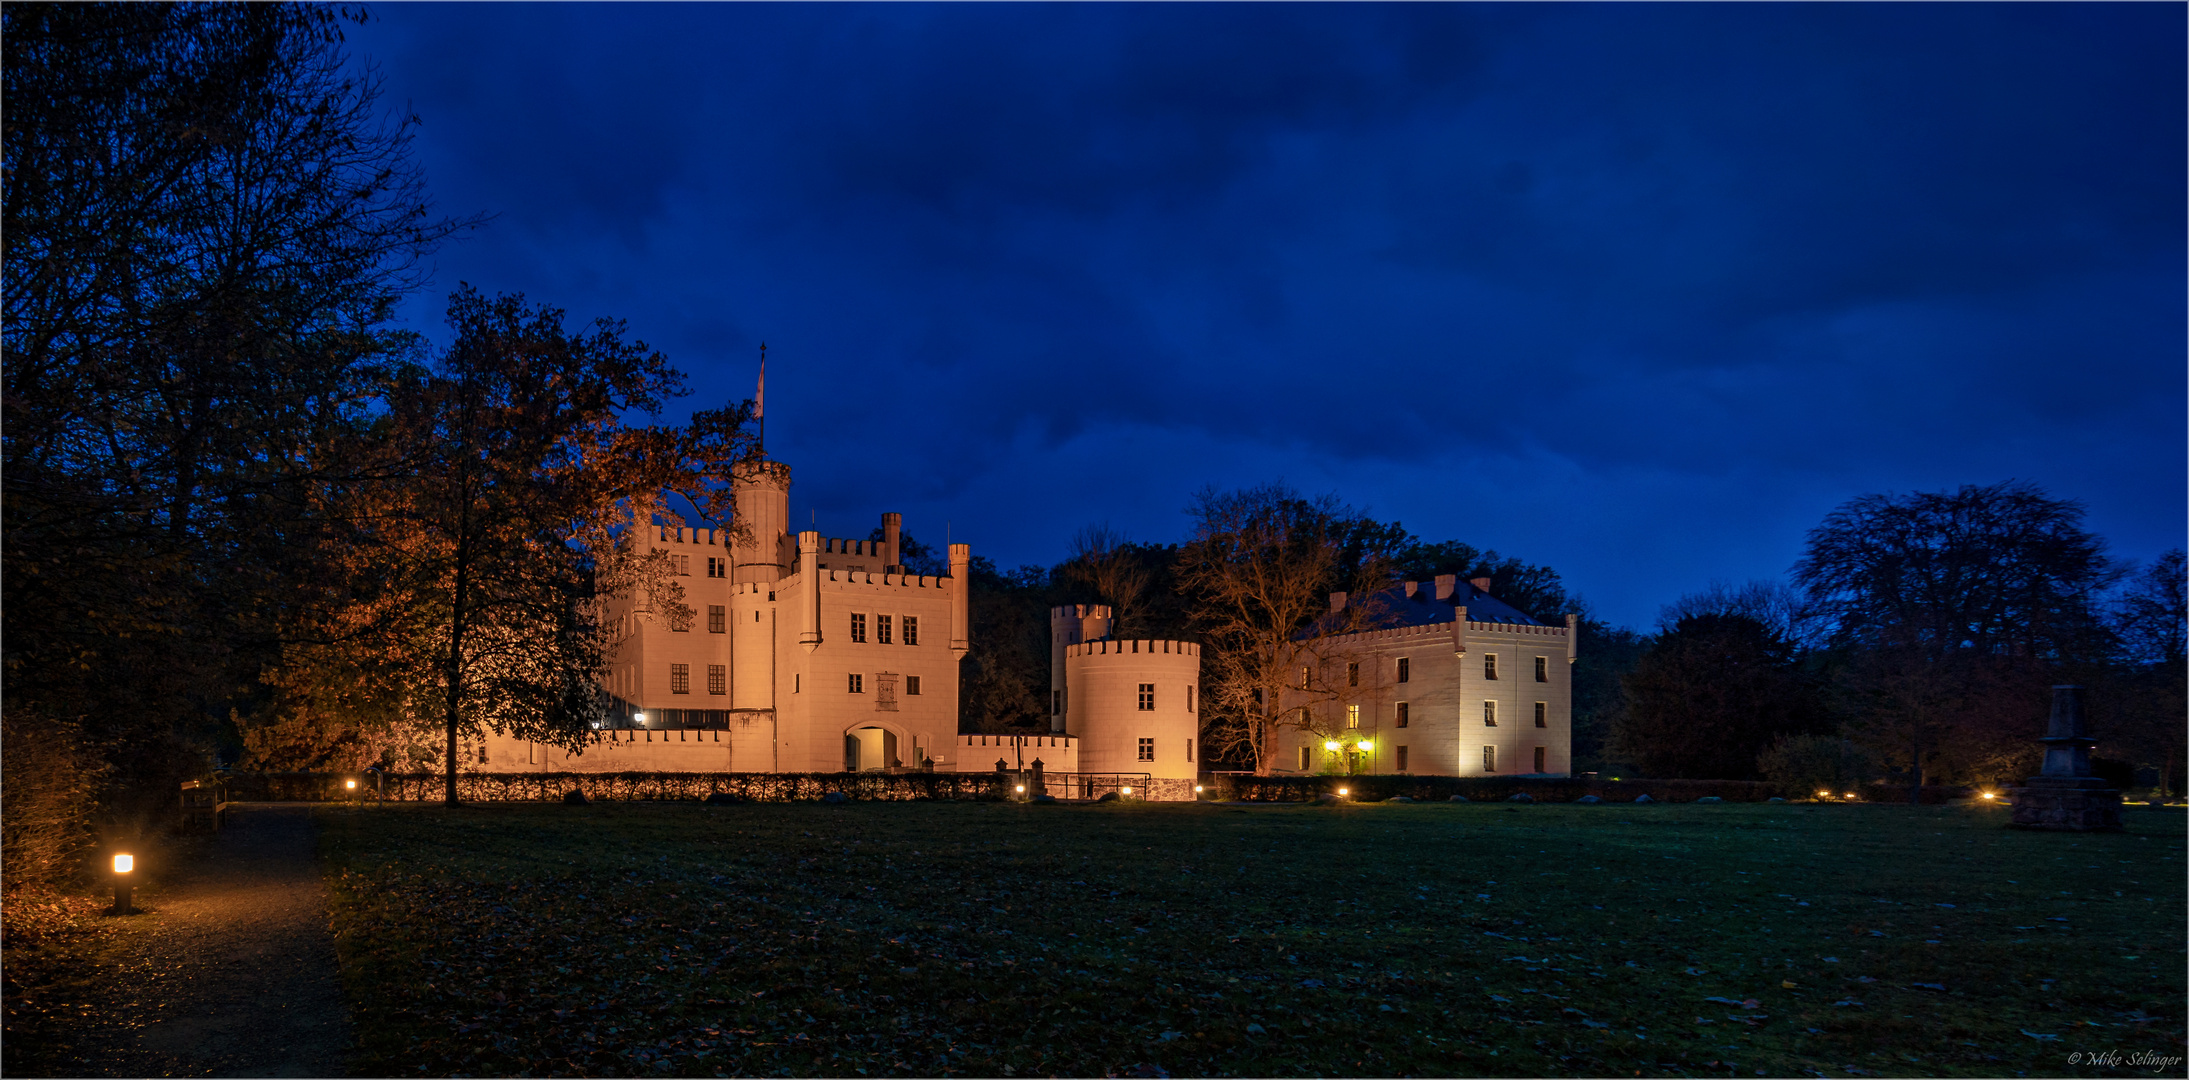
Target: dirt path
{"points": [[230, 971]]}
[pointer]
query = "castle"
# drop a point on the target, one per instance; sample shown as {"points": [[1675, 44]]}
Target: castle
{"points": [[808, 653]]}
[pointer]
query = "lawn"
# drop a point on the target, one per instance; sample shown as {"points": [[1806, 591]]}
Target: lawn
{"points": [[1430, 939]]}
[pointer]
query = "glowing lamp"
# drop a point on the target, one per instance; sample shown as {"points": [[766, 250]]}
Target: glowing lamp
{"points": [[350, 784], [1331, 746], [1125, 791], [1343, 791], [1366, 744], [1824, 794], [639, 717], [1196, 787], [1850, 795], [123, 864], [1989, 795], [1022, 789]]}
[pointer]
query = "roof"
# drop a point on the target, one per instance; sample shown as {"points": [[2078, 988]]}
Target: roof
{"points": [[1424, 609]]}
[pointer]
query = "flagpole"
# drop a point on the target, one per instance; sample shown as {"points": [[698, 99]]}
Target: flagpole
{"points": [[760, 404]]}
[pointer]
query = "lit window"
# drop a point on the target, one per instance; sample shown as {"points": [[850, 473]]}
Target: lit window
{"points": [[1489, 665], [1147, 749], [1489, 759], [1304, 683], [1405, 669], [858, 683], [717, 620], [881, 629], [1542, 714], [717, 679], [1147, 700], [911, 629], [680, 678], [1399, 715], [1542, 669], [1402, 759], [858, 627], [1352, 716], [1539, 759], [912, 685], [1489, 714], [1352, 674]]}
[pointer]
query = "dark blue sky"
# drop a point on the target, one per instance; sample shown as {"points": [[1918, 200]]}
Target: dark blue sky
{"points": [[1639, 292]]}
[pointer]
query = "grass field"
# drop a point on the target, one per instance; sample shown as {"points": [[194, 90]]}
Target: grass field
{"points": [[1481, 939]]}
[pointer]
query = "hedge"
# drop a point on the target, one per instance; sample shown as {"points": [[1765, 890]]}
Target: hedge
{"points": [[1539, 788], [613, 787]]}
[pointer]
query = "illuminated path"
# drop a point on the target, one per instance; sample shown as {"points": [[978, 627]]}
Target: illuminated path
{"points": [[233, 967]]}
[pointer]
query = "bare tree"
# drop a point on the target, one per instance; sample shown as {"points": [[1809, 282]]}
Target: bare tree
{"points": [[1954, 608], [1261, 566], [1102, 558]]}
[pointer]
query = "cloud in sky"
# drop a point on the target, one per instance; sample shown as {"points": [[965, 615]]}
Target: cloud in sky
{"points": [[1637, 291]]}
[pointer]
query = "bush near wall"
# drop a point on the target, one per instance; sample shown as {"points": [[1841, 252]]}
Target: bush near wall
{"points": [[613, 787], [1542, 789]]}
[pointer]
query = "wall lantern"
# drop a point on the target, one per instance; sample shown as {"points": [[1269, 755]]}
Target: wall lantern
{"points": [[124, 865], [639, 717], [1367, 744], [1125, 791], [1331, 746]]}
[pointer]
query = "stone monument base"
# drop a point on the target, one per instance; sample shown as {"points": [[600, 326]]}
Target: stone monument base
{"points": [[2066, 804]]}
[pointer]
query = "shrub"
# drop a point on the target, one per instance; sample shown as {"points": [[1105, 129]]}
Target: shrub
{"points": [[49, 782]]}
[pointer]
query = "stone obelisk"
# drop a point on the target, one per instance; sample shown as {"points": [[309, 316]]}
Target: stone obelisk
{"points": [[2065, 797]]}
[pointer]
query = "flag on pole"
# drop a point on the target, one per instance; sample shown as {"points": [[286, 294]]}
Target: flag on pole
{"points": [[760, 398]]}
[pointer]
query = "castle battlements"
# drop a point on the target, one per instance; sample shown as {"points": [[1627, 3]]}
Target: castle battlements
{"points": [[1132, 647], [666, 534]]}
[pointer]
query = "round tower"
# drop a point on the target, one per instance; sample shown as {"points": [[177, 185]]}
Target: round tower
{"points": [[761, 492], [1070, 625], [1135, 706]]}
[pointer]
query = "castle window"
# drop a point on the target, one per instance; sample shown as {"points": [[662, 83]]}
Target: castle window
{"points": [[1056, 702], [1189, 697], [683, 565], [1189, 750], [1489, 759], [1539, 759], [1405, 669], [1489, 714], [680, 678], [1147, 699], [1489, 665], [881, 629], [1402, 759], [912, 685], [1542, 669], [858, 626], [1303, 758], [717, 679], [794, 681], [911, 629], [1352, 674], [1147, 749], [718, 567], [1542, 714], [858, 683], [1352, 716], [717, 620], [1398, 717]]}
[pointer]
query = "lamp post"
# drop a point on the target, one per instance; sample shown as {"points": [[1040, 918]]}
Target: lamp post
{"points": [[125, 864]]}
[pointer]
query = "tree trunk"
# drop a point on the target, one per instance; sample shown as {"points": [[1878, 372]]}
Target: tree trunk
{"points": [[1915, 773], [458, 617]]}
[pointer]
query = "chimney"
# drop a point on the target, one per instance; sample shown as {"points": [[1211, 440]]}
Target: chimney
{"points": [[1337, 601], [892, 528], [1445, 582], [1481, 584], [1410, 587]]}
